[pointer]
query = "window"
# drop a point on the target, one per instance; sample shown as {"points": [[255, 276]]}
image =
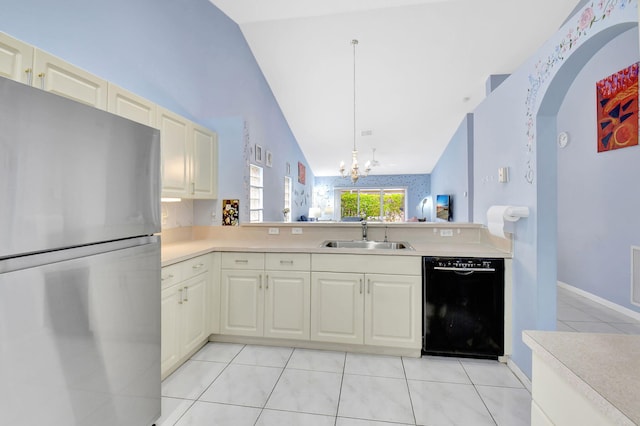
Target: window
{"points": [[255, 193], [385, 204], [287, 198]]}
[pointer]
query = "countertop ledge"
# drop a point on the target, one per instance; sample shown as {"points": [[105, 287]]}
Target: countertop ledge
{"points": [[605, 368], [179, 251]]}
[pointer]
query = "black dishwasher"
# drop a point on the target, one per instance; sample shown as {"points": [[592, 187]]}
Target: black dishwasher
{"points": [[463, 307]]}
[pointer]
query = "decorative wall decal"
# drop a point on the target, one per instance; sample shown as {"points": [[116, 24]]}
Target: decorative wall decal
{"points": [[301, 173], [593, 14], [230, 212], [617, 109]]}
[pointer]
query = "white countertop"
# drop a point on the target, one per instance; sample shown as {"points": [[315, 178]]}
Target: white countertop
{"points": [[605, 368], [183, 250]]}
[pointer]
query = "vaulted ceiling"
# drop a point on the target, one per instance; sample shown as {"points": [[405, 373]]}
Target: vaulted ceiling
{"points": [[421, 65]]}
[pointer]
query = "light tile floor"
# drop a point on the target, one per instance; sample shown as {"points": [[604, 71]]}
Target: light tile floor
{"points": [[231, 384], [577, 313]]}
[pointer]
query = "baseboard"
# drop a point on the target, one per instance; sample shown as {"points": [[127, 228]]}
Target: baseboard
{"points": [[519, 374], [614, 306]]}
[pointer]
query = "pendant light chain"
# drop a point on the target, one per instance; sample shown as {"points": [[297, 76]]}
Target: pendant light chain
{"points": [[354, 173], [354, 42]]}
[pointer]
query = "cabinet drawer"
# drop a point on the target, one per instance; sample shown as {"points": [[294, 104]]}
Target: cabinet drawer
{"points": [[241, 260], [195, 266], [170, 275], [288, 261], [380, 264]]}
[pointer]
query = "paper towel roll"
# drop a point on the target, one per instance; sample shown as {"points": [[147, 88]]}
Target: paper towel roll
{"points": [[495, 220], [496, 215]]}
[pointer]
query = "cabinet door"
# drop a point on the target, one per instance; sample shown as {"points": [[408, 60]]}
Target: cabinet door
{"points": [[176, 154], [287, 305], [194, 313], [170, 304], [204, 168], [55, 75], [128, 105], [16, 59], [393, 311], [242, 303], [337, 307]]}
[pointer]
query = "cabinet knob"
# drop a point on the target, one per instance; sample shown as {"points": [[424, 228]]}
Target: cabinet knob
{"points": [[168, 277], [198, 266]]}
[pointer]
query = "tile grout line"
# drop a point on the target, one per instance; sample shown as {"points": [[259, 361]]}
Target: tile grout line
{"points": [[274, 386], [344, 367], [406, 381], [478, 393]]}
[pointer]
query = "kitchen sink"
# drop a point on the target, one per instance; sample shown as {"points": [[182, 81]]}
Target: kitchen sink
{"points": [[369, 245]]}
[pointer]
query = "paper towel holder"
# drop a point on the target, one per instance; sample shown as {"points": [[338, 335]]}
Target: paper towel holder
{"points": [[513, 213]]}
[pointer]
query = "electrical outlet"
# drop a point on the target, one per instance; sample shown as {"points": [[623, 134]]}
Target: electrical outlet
{"points": [[446, 232], [296, 231], [274, 231]]}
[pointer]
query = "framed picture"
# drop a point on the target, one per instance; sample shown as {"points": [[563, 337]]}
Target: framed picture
{"points": [[230, 212], [617, 109], [301, 173], [258, 150], [269, 159]]}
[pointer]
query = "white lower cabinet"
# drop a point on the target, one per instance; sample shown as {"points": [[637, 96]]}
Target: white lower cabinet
{"points": [[185, 310], [261, 302], [287, 305], [337, 303], [355, 300], [370, 309]]}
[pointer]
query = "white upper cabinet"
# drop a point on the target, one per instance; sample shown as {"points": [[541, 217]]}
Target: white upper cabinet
{"points": [[129, 105], [175, 134], [189, 151], [54, 75], [189, 157], [16, 59], [204, 164]]}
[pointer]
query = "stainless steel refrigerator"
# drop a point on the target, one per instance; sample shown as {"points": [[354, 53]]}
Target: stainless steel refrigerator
{"points": [[79, 264]]}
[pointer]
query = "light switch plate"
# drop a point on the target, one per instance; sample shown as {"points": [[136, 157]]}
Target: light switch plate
{"points": [[446, 232], [274, 231], [296, 231], [503, 174]]}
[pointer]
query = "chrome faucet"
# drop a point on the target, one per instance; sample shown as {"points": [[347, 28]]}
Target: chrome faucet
{"points": [[364, 230]]}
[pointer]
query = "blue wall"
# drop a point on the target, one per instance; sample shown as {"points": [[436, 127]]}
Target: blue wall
{"points": [[454, 171], [515, 126], [185, 55], [598, 195], [417, 188]]}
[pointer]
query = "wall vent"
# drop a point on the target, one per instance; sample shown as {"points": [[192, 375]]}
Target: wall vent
{"points": [[635, 275]]}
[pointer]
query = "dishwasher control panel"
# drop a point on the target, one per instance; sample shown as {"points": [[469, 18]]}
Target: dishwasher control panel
{"points": [[463, 263]]}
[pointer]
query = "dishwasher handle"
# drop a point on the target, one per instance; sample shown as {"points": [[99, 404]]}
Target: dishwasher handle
{"points": [[454, 269]]}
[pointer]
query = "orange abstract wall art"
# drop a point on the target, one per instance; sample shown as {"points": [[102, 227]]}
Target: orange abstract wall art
{"points": [[618, 109]]}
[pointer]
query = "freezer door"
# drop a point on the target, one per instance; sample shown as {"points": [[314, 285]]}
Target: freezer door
{"points": [[80, 340], [71, 174]]}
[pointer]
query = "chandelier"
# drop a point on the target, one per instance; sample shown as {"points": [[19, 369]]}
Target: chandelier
{"points": [[355, 172]]}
